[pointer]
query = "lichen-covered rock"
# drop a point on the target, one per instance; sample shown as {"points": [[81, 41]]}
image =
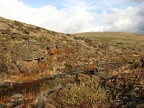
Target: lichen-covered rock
{"points": [[25, 52], [15, 100]]}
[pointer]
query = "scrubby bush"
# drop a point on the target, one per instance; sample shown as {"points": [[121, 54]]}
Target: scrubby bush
{"points": [[90, 96]]}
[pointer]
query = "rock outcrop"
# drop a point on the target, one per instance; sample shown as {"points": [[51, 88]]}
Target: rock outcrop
{"points": [[28, 50]]}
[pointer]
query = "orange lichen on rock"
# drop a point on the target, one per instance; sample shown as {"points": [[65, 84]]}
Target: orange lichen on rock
{"points": [[61, 51], [52, 51], [41, 65], [47, 74], [29, 79]]}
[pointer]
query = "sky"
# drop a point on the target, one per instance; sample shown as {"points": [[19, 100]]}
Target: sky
{"points": [[73, 16]]}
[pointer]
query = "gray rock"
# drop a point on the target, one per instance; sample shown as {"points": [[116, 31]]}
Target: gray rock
{"points": [[57, 87], [17, 96], [21, 66], [41, 102], [2, 106], [26, 52], [16, 100]]}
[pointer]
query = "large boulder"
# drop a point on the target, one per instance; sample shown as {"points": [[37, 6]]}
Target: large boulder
{"points": [[24, 52]]}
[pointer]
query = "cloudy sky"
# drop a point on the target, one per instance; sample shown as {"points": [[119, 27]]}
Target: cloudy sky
{"points": [[71, 16]]}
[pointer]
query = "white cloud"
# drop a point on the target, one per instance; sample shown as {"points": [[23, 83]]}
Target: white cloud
{"points": [[122, 23], [74, 17], [126, 19], [62, 20]]}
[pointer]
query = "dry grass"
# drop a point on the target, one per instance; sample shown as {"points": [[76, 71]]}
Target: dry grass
{"points": [[90, 96], [114, 37]]}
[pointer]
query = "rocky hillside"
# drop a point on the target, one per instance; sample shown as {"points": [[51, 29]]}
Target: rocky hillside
{"points": [[36, 61], [27, 50]]}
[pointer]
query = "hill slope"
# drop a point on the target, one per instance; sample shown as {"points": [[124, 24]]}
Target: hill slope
{"points": [[116, 38], [26, 50], [30, 54]]}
